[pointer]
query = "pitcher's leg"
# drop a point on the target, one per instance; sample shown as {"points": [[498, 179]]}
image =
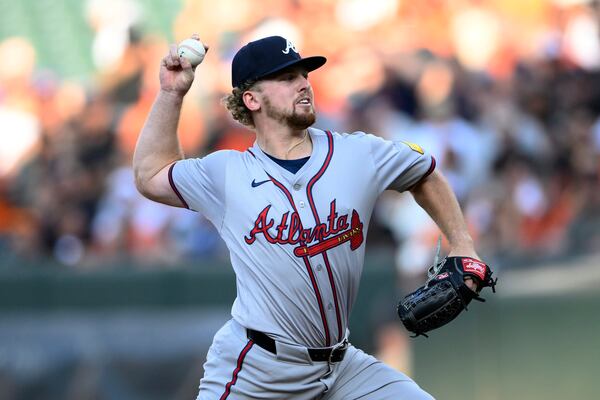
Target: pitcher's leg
{"points": [[236, 368], [224, 362], [362, 376]]}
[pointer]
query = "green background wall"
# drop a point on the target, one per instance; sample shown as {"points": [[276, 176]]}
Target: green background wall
{"points": [[508, 348]]}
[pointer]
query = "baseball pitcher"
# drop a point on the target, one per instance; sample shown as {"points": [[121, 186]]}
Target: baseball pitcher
{"points": [[293, 210]]}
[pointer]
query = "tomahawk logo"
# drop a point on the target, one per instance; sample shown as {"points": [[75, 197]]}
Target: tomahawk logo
{"points": [[311, 241], [289, 46]]}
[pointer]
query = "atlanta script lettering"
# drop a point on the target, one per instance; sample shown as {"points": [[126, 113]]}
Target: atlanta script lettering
{"points": [[289, 230]]}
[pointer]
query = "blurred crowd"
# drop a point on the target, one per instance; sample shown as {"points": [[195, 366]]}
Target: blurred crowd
{"points": [[505, 94]]}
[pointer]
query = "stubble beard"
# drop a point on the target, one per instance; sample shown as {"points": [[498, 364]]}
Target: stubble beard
{"points": [[294, 120]]}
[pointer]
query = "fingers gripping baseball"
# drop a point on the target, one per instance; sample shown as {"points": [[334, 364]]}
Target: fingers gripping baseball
{"points": [[176, 73]]}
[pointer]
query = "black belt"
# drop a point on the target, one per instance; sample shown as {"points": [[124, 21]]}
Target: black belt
{"points": [[331, 354]]}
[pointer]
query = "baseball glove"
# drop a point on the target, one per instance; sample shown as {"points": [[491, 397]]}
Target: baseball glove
{"points": [[444, 295]]}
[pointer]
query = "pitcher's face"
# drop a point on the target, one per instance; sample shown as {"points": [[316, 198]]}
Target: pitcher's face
{"points": [[287, 97]]}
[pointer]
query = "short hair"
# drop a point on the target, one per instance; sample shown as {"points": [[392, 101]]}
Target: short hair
{"points": [[234, 102]]}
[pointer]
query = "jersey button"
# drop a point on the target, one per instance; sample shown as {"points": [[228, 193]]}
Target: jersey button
{"points": [[319, 267], [297, 186], [330, 306], [302, 204]]}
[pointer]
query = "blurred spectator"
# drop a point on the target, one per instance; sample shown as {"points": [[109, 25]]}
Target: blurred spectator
{"points": [[18, 102], [505, 95]]}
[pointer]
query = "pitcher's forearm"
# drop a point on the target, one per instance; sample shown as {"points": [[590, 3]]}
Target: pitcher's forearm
{"points": [[158, 144], [435, 196]]}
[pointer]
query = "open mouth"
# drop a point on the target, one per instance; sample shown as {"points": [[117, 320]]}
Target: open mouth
{"points": [[304, 102]]}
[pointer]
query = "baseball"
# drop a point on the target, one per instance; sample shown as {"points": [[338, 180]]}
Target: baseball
{"points": [[193, 50]]}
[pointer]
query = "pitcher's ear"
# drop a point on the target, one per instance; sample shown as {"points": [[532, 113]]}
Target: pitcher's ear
{"points": [[251, 100]]}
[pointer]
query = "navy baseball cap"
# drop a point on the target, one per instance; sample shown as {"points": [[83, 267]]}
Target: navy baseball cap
{"points": [[266, 56]]}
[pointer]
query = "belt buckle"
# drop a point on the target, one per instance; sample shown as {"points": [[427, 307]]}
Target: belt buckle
{"points": [[343, 345]]}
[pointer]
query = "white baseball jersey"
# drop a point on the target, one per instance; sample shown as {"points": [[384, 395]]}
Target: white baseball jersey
{"points": [[297, 241]]}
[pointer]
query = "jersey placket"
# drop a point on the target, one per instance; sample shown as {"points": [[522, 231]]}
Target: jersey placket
{"points": [[319, 264], [317, 285], [332, 308]]}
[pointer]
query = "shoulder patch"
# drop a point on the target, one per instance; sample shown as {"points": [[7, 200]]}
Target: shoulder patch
{"points": [[414, 147]]}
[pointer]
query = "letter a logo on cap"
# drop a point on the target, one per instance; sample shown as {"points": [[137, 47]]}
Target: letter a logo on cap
{"points": [[289, 45]]}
